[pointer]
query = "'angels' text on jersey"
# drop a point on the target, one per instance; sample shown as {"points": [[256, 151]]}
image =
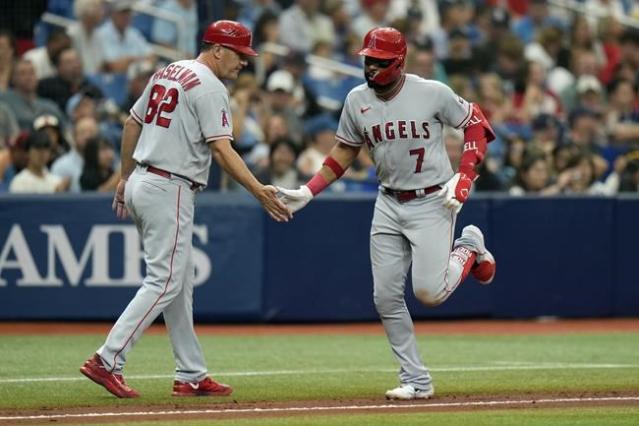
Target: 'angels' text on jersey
{"points": [[392, 130]]}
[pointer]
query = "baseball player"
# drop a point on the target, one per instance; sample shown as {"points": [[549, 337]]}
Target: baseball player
{"points": [[400, 118], [182, 118]]}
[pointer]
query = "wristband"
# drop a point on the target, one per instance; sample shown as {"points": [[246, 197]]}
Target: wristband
{"points": [[332, 164], [317, 184]]}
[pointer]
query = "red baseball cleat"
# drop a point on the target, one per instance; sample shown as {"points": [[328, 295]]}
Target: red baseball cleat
{"points": [[95, 370], [206, 387], [484, 268]]}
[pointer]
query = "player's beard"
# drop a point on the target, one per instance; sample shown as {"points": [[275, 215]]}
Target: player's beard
{"points": [[376, 86]]}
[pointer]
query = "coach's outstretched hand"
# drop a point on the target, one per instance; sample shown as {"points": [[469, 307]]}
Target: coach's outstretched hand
{"points": [[456, 191], [118, 201], [295, 199], [268, 197]]}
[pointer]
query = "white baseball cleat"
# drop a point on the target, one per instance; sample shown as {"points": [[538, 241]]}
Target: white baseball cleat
{"points": [[485, 266], [408, 392]]}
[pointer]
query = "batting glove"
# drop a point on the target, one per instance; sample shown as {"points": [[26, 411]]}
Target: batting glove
{"points": [[295, 199], [456, 191]]}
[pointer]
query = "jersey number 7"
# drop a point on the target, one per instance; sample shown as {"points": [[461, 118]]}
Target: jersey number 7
{"points": [[419, 152], [161, 101]]}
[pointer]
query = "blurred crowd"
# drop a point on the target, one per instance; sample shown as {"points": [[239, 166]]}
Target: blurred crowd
{"points": [[560, 87]]}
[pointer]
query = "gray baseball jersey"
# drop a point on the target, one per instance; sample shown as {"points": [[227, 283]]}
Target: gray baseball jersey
{"points": [[404, 134], [184, 106]]}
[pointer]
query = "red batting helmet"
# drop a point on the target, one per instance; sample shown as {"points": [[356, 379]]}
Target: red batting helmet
{"points": [[386, 43], [230, 34]]}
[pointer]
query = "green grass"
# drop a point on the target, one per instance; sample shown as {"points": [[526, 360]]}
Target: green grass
{"points": [[323, 367], [608, 416]]}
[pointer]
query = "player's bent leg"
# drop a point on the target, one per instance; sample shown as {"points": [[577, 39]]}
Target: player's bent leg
{"points": [[164, 240], [435, 273]]}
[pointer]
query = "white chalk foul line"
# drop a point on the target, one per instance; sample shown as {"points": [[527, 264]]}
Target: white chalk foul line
{"points": [[541, 366], [494, 403]]}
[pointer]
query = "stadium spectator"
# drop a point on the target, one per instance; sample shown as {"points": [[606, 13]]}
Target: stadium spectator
{"points": [[374, 14], [426, 10], [460, 58], [71, 164], [533, 177], [248, 112], [252, 10], [98, 173], [421, 61], [455, 14], [275, 128], [622, 118], [281, 170], [582, 180], [587, 130], [68, 81], [545, 135], [50, 125], [548, 51], [510, 59], [280, 87], [23, 99], [183, 35], [138, 76], [610, 32], [7, 58], [8, 125], [629, 43], [583, 63], [321, 130], [302, 25], [532, 97], [589, 94], [628, 165], [595, 8], [35, 177], [496, 27], [583, 38], [84, 36], [122, 44], [266, 31], [79, 106], [528, 26], [42, 57]]}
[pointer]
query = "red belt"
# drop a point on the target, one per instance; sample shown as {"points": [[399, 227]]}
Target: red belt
{"points": [[169, 175], [405, 196]]}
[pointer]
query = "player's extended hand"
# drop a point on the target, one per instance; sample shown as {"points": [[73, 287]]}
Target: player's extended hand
{"points": [[295, 199], [118, 201], [272, 204], [456, 191]]}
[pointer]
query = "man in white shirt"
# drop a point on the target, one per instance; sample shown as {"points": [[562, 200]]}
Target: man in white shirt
{"points": [[35, 178], [42, 57], [121, 43], [84, 35]]}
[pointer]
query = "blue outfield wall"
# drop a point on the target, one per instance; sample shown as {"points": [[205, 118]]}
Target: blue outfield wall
{"points": [[67, 257]]}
